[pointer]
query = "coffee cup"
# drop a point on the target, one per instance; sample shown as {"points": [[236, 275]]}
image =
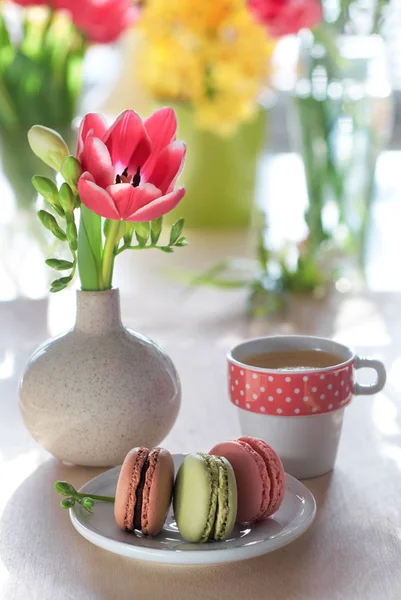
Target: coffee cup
{"points": [[298, 410]]}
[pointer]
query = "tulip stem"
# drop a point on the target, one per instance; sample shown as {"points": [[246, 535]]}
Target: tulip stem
{"points": [[113, 236]]}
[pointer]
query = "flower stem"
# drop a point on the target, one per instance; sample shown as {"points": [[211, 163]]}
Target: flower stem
{"points": [[95, 497], [109, 254], [89, 250]]}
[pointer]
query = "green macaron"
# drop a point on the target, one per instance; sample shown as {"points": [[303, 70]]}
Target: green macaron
{"points": [[205, 498]]}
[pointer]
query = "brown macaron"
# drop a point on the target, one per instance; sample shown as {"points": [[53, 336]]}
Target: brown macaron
{"points": [[144, 490]]}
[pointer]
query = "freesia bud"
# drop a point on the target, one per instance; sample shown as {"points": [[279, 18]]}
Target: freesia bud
{"points": [[67, 503], [71, 170], [56, 286], [51, 224], [72, 236], [65, 488], [87, 503], [66, 198], [48, 145], [48, 189]]}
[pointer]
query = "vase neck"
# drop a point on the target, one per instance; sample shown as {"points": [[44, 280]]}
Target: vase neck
{"points": [[98, 312]]}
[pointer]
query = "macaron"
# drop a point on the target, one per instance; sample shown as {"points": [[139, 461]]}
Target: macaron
{"points": [[144, 490], [275, 471], [259, 474], [205, 498]]}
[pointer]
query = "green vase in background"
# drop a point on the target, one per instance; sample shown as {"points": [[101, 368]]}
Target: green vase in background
{"points": [[220, 172]]}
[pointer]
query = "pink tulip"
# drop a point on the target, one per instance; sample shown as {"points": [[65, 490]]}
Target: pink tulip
{"points": [[130, 168], [284, 17]]}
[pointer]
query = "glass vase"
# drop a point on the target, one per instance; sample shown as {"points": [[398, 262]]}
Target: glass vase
{"points": [[344, 107]]}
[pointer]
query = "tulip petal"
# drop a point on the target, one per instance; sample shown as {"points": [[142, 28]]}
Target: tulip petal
{"points": [[96, 198], [127, 142], [161, 128], [129, 199], [94, 124], [158, 207], [168, 166], [96, 159]]}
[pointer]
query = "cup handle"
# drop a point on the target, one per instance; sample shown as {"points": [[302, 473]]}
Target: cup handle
{"points": [[378, 366]]}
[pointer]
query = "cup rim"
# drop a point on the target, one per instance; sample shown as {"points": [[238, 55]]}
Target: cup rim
{"points": [[230, 358]]}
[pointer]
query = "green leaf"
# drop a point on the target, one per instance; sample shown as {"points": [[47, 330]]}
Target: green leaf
{"points": [[223, 283], [58, 264], [216, 276], [166, 249], [181, 242], [262, 252], [176, 231], [59, 284], [155, 230], [51, 224], [89, 249], [106, 227], [142, 231]]}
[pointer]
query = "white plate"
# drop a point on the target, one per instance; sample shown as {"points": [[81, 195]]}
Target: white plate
{"points": [[293, 518]]}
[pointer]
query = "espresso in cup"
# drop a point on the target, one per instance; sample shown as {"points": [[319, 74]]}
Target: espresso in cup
{"points": [[293, 360]]}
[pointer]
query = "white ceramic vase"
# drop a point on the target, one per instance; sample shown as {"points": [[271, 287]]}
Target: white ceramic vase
{"points": [[93, 393]]}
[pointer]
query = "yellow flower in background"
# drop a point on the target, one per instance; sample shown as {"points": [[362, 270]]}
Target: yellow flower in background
{"points": [[201, 16], [210, 54]]}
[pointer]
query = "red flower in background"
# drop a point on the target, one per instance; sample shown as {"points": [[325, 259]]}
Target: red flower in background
{"points": [[284, 17], [101, 21], [27, 3], [130, 168]]}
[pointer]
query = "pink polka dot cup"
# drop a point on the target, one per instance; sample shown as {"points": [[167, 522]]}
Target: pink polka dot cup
{"points": [[298, 411]]}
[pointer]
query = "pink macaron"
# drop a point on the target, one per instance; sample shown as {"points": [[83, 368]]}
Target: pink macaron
{"points": [[144, 490], [260, 477], [275, 471]]}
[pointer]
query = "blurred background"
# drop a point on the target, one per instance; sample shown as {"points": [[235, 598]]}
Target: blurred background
{"points": [[290, 110]]}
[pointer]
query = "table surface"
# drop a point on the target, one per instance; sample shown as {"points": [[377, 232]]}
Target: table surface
{"points": [[353, 549]]}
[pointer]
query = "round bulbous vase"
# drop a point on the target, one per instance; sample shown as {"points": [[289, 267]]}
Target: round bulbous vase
{"points": [[93, 393]]}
